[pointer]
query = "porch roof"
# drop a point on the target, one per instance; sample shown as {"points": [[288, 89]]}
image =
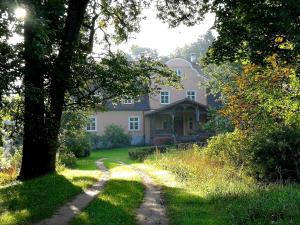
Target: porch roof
{"points": [[182, 101]]}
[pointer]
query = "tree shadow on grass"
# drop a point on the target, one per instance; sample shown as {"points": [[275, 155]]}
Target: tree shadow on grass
{"points": [[36, 199], [280, 206], [116, 205]]}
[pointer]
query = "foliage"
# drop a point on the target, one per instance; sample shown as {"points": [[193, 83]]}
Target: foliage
{"points": [[137, 52], [263, 95], [217, 123], [276, 154], [221, 193], [232, 148], [246, 30], [95, 141], [114, 136], [9, 166], [67, 159], [73, 137], [198, 48], [142, 153]]}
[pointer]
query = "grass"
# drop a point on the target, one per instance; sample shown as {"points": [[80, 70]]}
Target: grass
{"points": [[29, 201], [111, 155], [118, 201], [198, 190]]}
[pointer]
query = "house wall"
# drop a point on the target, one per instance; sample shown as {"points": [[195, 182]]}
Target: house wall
{"points": [[191, 81], [105, 119]]}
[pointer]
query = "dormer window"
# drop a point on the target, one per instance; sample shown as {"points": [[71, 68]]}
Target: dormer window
{"points": [[191, 95], [164, 97], [178, 72], [128, 101]]}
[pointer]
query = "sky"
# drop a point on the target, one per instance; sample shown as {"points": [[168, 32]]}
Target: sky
{"points": [[156, 35]]}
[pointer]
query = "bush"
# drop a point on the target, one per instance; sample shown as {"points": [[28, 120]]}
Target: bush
{"points": [[277, 154], [67, 158], [139, 155], [114, 136], [73, 136], [231, 148], [142, 153], [96, 141], [79, 145]]}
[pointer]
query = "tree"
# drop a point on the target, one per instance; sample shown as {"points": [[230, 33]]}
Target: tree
{"points": [[248, 30], [57, 72], [199, 48]]}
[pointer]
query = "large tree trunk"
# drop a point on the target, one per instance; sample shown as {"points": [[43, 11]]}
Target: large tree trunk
{"points": [[40, 132], [61, 75], [35, 158]]}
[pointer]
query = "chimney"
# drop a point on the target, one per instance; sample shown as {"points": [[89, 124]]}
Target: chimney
{"points": [[193, 58]]}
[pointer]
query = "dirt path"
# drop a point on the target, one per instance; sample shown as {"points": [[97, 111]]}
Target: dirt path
{"points": [[152, 211], [67, 212]]}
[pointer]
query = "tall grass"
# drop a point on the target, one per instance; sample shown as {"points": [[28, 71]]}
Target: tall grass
{"points": [[214, 192]]}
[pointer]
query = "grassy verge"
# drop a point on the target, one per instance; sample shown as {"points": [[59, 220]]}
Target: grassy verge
{"points": [[117, 203], [29, 201], [199, 190]]}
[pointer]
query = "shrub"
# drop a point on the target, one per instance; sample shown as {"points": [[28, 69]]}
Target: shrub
{"points": [[79, 145], [277, 154], [96, 141], [231, 148], [139, 155], [66, 158], [142, 153], [114, 136]]}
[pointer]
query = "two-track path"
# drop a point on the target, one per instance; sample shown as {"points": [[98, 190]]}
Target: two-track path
{"points": [[151, 211]]}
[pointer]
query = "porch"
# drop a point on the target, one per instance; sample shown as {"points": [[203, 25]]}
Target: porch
{"points": [[179, 122]]}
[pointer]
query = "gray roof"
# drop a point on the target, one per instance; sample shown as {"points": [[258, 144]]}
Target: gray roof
{"points": [[141, 105], [185, 100]]}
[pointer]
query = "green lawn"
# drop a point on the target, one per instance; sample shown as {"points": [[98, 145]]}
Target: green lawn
{"points": [[30, 201]]}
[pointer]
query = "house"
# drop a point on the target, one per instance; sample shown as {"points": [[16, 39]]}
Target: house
{"points": [[171, 116]]}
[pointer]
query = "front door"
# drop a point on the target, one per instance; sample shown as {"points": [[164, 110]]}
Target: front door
{"points": [[178, 126]]}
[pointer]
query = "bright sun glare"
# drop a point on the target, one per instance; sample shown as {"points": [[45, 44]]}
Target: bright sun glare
{"points": [[20, 13]]}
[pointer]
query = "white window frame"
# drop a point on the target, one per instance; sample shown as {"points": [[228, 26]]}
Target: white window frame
{"points": [[138, 121], [195, 94], [89, 130], [128, 101], [169, 97]]}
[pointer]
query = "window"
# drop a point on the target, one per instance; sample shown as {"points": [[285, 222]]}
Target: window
{"points": [[178, 71], [133, 123], [128, 101], [191, 95], [164, 97], [92, 124]]}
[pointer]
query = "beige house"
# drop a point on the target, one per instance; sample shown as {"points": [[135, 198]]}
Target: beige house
{"points": [[172, 115]]}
